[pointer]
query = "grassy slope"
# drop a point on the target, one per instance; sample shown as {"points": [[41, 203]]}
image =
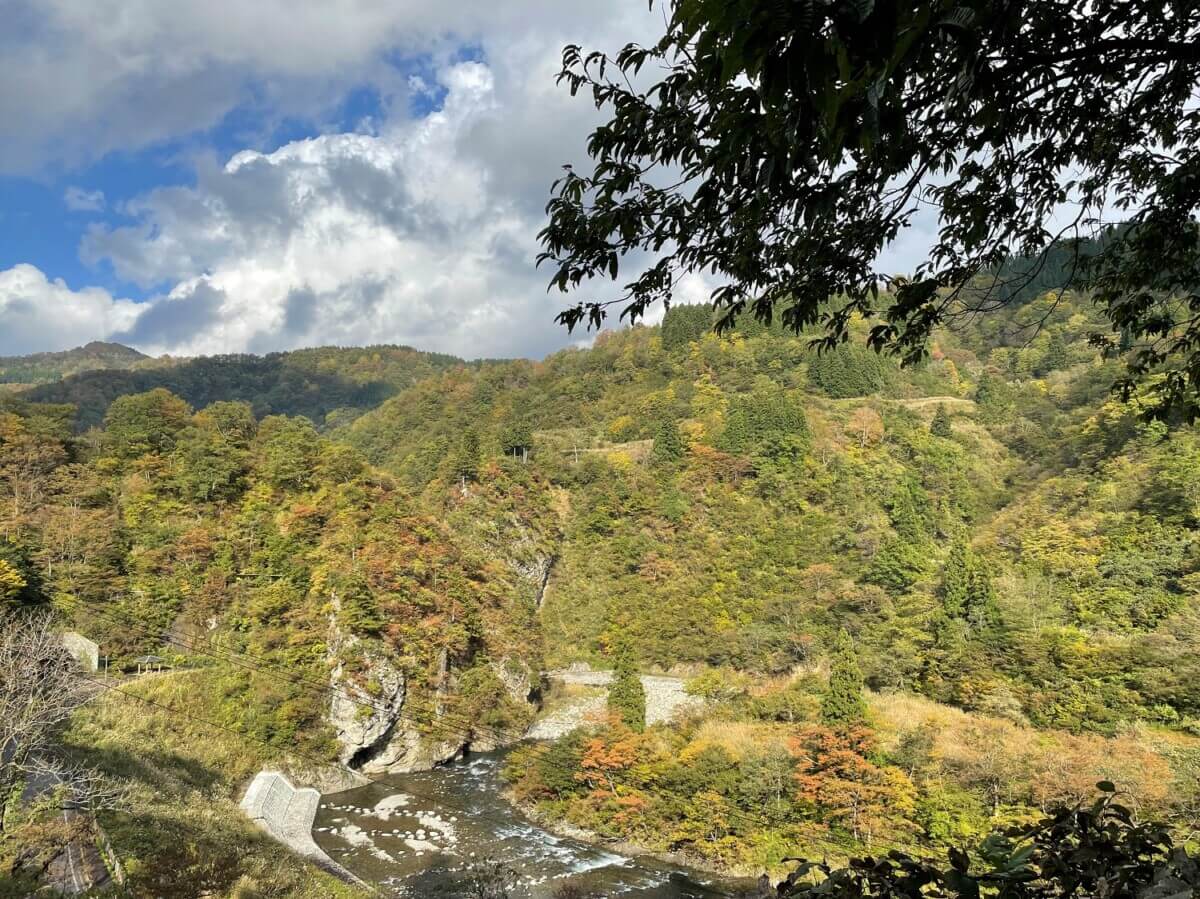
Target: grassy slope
{"points": [[182, 833]]}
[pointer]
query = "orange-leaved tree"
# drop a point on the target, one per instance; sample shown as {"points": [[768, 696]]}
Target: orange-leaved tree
{"points": [[836, 777]]}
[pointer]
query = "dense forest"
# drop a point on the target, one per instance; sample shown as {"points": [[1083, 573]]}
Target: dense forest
{"points": [[44, 368], [327, 385], [918, 603]]}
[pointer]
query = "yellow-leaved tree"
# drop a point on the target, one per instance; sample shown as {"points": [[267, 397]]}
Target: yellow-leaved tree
{"points": [[11, 581]]}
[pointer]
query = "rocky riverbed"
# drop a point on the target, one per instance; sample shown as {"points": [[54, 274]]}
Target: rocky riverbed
{"points": [[426, 834]]}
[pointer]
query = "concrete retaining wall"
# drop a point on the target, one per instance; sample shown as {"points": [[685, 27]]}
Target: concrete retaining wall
{"points": [[287, 812], [85, 651]]}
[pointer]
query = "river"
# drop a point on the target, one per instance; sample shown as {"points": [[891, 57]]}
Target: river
{"points": [[420, 835]]}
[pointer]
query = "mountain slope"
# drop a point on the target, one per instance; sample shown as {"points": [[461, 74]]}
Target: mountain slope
{"points": [[314, 383], [40, 368], [800, 494]]}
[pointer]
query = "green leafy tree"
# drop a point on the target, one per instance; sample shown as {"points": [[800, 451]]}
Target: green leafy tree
{"points": [[1095, 849], [626, 695], [288, 449], [822, 116], [1057, 356], [966, 589], [850, 370], [842, 703], [20, 577], [464, 461], [897, 565], [206, 466], [233, 421], [982, 612], [359, 610], [955, 585], [766, 422], [682, 324], [142, 423], [12, 583], [911, 511], [993, 397], [516, 439]]}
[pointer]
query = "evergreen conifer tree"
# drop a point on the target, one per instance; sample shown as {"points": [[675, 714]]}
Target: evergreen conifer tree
{"points": [[464, 462], [626, 695], [668, 444], [966, 589], [910, 511], [516, 439], [981, 611], [11, 582], [842, 705], [940, 426], [956, 578], [683, 324], [1057, 356]]}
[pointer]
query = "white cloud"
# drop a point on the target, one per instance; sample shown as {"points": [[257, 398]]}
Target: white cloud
{"points": [[79, 200], [84, 79], [422, 231], [37, 313], [346, 238]]}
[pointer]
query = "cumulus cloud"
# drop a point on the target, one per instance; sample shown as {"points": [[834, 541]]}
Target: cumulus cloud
{"points": [[83, 79], [422, 231], [79, 200], [37, 313], [403, 236]]}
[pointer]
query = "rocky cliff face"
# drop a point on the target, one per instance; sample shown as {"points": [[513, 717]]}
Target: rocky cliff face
{"points": [[384, 723], [375, 733], [378, 731]]}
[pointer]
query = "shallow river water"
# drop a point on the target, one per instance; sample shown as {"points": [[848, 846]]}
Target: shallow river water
{"points": [[420, 834]]}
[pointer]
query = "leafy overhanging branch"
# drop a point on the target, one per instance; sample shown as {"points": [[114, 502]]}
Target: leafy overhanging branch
{"points": [[782, 146]]}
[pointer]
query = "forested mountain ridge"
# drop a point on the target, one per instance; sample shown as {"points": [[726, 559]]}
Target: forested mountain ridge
{"points": [[1005, 554], [41, 368], [324, 384], [736, 501]]}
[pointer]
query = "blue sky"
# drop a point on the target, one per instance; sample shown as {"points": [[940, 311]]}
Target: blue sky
{"points": [[229, 177], [38, 225], [225, 177]]}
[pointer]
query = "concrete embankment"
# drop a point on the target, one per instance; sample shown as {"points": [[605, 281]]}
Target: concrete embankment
{"points": [[287, 812]]}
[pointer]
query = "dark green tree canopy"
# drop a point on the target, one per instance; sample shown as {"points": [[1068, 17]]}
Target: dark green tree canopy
{"points": [[843, 704], [669, 447], [783, 146], [940, 426], [626, 695], [145, 422]]}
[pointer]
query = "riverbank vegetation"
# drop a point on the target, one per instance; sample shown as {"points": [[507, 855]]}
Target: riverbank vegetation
{"points": [[764, 775]]}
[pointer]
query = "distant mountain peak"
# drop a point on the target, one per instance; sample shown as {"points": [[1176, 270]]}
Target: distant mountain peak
{"points": [[43, 368], [102, 346]]}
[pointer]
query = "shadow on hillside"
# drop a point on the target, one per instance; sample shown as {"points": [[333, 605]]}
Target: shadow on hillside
{"points": [[272, 385], [151, 766]]}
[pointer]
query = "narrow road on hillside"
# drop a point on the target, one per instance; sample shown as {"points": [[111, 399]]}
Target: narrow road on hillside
{"points": [[665, 698]]}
